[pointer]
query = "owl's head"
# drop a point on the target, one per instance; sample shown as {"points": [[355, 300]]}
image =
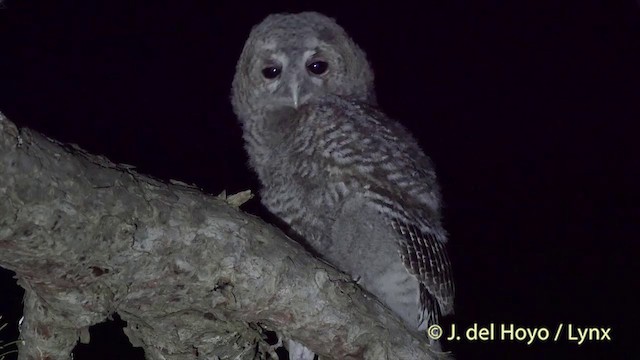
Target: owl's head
{"points": [[292, 59]]}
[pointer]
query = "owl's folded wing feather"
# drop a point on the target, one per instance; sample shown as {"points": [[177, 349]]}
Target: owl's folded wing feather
{"points": [[425, 257]]}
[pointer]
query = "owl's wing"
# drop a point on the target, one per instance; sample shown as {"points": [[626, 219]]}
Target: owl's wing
{"points": [[400, 183], [425, 257]]}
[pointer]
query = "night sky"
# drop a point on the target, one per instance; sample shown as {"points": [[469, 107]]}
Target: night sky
{"points": [[529, 110]]}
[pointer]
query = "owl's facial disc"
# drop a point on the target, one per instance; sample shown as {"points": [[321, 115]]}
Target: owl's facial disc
{"points": [[295, 78]]}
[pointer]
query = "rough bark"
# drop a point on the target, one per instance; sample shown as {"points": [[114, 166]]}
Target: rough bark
{"points": [[192, 275]]}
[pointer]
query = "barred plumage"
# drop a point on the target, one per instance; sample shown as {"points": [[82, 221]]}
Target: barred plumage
{"points": [[353, 183]]}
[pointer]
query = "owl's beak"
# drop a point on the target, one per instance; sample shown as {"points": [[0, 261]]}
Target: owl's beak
{"points": [[292, 92], [295, 93]]}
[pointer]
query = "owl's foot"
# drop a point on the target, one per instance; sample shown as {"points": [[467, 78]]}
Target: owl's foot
{"points": [[298, 351]]}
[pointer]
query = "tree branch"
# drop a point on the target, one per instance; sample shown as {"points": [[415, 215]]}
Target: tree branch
{"points": [[193, 276]]}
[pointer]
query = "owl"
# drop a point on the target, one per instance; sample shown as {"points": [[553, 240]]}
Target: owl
{"points": [[348, 180]]}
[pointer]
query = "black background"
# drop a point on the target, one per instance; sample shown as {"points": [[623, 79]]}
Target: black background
{"points": [[528, 109]]}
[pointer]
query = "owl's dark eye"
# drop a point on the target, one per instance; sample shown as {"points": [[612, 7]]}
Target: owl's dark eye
{"points": [[271, 72], [318, 67]]}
